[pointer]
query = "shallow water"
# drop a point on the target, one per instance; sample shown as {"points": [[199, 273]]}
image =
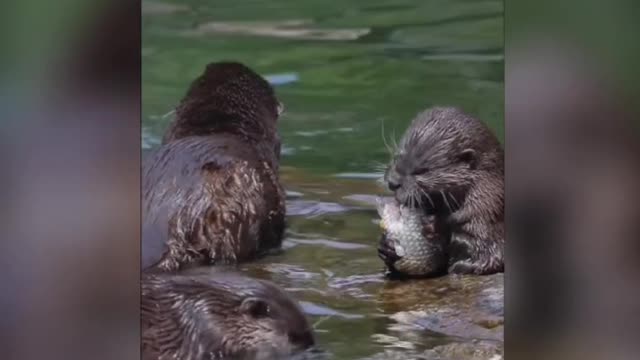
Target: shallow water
{"points": [[345, 71]]}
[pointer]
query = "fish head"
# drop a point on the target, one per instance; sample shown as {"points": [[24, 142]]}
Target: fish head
{"points": [[389, 211]]}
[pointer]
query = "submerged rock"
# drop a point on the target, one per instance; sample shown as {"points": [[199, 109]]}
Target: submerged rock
{"points": [[454, 317], [452, 351]]}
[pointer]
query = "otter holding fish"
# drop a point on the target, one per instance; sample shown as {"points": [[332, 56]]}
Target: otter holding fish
{"points": [[451, 165], [412, 243]]}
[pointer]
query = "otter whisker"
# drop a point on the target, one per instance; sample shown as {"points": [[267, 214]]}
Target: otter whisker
{"points": [[421, 200], [412, 200], [418, 198], [384, 140], [393, 138], [426, 194], [430, 200], [378, 166], [446, 201], [454, 200]]}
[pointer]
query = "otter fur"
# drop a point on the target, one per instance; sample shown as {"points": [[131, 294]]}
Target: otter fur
{"points": [[451, 164], [219, 315], [211, 191]]}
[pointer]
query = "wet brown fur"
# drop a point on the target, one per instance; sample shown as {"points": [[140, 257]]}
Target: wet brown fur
{"points": [[211, 191], [202, 315], [452, 163]]}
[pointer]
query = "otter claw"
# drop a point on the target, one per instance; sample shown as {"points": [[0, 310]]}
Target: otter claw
{"points": [[387, 253]]}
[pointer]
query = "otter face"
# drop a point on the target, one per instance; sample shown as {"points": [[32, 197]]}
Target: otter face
{"points": [[430, 166], [211, 313], [274, 326], [415, 178]]}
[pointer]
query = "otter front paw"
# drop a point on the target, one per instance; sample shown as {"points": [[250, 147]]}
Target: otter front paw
{"points": [[387, 252], [457, 218], [464, 267]]}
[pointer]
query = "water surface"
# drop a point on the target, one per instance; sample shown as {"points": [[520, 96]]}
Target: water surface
{"points": [[346, 70]]}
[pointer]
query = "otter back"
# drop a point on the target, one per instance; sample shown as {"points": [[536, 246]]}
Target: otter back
{"points": [[209, 199]]}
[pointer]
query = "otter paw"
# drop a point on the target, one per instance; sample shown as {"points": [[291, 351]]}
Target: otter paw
{"points": [[387, 252], [463, 267], [457, 218]]}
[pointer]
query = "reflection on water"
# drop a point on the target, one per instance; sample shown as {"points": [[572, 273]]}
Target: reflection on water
{"points": [[344, 70]]}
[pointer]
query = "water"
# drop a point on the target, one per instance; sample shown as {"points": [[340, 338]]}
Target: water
{"points": [[344, 70]]}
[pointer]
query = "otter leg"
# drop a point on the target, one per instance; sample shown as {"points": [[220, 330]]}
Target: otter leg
{"points": [[472, 255]]}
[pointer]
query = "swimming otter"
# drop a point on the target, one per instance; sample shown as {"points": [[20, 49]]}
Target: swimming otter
{"points": [[213, 315], [211, 191], [451, 164]]}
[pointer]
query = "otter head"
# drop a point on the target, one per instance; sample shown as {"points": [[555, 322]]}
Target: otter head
{"points": [[208, 312], [439, 158], [228, 98], [264, 323]]}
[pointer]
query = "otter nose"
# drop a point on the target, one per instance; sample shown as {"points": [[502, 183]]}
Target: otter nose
{"points": [[304, 340], [393, 185], [394, 180]]}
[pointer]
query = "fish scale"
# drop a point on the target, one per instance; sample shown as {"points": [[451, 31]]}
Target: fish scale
{"points": [[419, 254]]}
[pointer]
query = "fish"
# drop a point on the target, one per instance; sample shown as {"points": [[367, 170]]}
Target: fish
{"points": [[412, 243]]}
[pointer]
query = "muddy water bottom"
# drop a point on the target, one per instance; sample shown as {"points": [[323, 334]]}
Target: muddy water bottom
{"points": [[329, 263]]}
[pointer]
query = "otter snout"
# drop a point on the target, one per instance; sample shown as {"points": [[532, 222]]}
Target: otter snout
{"points": [[394, 180], [302, 340]]}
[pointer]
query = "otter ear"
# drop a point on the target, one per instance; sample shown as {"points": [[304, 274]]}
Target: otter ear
{"points": [[255, 307], [468, 156]]}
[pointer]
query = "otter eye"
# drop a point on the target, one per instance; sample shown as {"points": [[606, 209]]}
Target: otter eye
{"points": [[420, 170], [255, 308], [468, 156]]}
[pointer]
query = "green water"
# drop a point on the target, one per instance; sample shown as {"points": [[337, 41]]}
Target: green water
{"points": [[356, 65]]}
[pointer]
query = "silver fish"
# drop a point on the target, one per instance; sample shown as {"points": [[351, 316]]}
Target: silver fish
{"points": [[412, 243]]}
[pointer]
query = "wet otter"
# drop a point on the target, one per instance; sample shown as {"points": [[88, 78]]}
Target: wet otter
{"points": [[211, 191], [451, 164], [204, 314]]}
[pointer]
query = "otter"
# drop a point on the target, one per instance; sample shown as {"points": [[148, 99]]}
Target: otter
{"points": [[450, 164], [211, 191], [205, 314]]}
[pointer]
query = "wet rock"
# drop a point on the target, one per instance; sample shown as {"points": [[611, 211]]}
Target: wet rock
{"points": [[453, 351], [466, 313]]}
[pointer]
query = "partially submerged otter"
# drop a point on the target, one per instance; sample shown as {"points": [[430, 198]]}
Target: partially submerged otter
{"points": [[219, 315], [211, 191], [451, 164]]}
